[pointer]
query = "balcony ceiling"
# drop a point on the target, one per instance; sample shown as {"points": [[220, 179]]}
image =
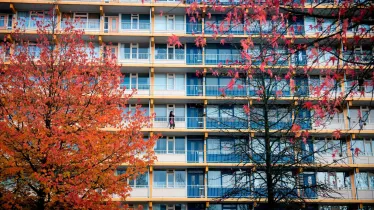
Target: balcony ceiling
{"points": [[32, 7], [80, 8], [126, 39]]}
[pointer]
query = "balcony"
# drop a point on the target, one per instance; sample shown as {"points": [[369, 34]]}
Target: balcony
{"points": [[215, 191], [196, 191], [176, 156], [341, 193], [163, 192], [170, 58], [139, 58], [350, 57], [223, 90], [178, 28], [332, 124], [300, 60], [218, 156], [365, 194], [364, 158], [195, 156], [224, 59], [360, 91], [354, 123], [92, 25], [235, 29], [171, 90], [140, 191], [226, 123], [296, 29], [329, 158], [180, 122], [131, 27], [140, 89]]}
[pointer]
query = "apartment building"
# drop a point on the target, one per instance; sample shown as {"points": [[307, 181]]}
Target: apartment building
{"points": [[189, 172]]}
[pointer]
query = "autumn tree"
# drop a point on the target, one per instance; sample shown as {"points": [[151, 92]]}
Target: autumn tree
{"points": [[299, 63], [63, 129]]}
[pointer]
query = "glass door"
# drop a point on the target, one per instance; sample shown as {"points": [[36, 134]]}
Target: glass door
{"points": [[113, 24], [135, 22], [134, 48]]}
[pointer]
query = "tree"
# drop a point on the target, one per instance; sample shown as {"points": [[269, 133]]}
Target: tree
{"points": [[63, 130], [277, 58]]}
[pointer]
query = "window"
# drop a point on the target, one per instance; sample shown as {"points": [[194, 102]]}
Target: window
{"points": [[141, 181], [325, 207], [34, 51], [170, 179], [170, 22], [335, 180], [132, 108], [169, 52], [134, 21], [139, 81], [259, 179], [329, 146], [364, 147], [170, 145], [134, 51], [169, 207], [365, 181], [170, 81]]}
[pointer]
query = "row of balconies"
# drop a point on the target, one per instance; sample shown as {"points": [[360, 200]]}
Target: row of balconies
{"points": [[173, 191], [223, 157], [236, 91], [218, 2], [178, 24]]}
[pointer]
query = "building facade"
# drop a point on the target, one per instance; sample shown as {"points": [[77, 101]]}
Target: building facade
{"points": [[188, 173]]}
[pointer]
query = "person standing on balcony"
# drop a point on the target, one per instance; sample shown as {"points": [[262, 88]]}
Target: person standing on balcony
{"points": [[171, 120]]}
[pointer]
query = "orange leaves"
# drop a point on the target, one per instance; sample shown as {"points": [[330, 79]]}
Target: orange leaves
{"points": [[66, 129]]}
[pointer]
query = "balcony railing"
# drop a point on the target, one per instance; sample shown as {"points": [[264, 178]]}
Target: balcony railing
{"points": [[329, 124], [141, 26], [195, 156], [227, 28], [296, 29], [360, 91], [181, 90], [180, 122], [133, 1], [87, 25], [354, 123], [224, 59], [134, 58], [300, 60], [195, 191], [158, 151], [229, 156], [172, 28], [215, 191], [226, 123], [223, 90], [350, 57], [170, 56]]}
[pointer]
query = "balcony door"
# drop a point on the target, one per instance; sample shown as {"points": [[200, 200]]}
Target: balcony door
{"points": [[195, 180], [112, 52], [134, 49], [113, 23], [195, 151], [135, 21], [3, 21]]}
